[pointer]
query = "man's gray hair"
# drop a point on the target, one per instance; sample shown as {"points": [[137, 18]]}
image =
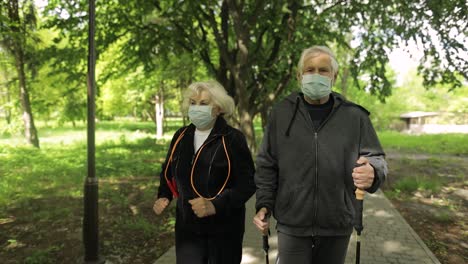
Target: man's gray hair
{"points": [[316, 50], [218, 94]]}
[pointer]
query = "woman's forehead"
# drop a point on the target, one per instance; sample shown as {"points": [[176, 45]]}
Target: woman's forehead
{"points": [[201, 95]]}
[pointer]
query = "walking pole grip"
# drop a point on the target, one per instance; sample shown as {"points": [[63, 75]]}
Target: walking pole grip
{"points": [[360, 194]]}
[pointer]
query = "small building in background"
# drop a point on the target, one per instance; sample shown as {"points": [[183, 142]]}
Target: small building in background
{"points": [[420, 122], [415, 121]]}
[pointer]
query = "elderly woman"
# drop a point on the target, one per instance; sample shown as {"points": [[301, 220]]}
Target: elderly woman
{"points": [[210, 169]]}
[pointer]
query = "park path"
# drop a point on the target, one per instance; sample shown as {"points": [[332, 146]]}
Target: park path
{"points": [[387, 238]]}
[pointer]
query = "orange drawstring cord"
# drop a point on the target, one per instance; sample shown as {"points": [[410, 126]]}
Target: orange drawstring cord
{"points": [[227, 178], [172, 184]]}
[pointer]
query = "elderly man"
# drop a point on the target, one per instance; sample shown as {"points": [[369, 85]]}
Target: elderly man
{"points": [[317, 149]]}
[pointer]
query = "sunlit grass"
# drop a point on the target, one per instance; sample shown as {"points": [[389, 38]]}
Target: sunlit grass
{"points": [[59, 168], [455, 144], [126, 149]]}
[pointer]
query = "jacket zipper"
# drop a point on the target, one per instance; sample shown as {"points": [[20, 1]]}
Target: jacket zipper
{"points": [[209, 170], [316, 180], [314, 220], [202, 146]]}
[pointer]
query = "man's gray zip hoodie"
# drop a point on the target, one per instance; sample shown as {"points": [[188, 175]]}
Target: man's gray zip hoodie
{"points": [[304, 174]]}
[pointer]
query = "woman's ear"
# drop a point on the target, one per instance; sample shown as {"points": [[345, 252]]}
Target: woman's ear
{"points": [[216, 110]]}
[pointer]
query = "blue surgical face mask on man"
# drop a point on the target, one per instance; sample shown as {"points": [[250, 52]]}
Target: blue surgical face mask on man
{"points": [[316, 86], [200, 115]]}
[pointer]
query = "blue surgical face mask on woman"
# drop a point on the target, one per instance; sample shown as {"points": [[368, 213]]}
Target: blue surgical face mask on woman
{"points": [[200, 115], [316, 86]]}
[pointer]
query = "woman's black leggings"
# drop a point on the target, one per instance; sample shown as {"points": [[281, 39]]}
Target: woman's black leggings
{"points": [[192, 248], [308, 249]]}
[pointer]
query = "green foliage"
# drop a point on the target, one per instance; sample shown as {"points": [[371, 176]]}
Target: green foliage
{"points": [[410, 96], [156, 48], [18, 40]]}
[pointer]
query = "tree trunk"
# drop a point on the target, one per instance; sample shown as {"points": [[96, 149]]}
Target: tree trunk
{"points": [[247, 127], [159, 113], [29, 127], [245, 116], [30, 131], [264, 116], [6, 109]]}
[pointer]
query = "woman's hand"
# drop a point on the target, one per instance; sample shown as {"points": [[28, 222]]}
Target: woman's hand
{"points": [[202, 207], [160, 205]]}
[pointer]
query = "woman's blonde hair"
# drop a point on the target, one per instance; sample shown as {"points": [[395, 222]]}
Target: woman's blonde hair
{"points": [[218, 94]]}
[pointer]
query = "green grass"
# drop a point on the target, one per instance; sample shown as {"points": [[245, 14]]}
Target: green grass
{"points": [[140, 224], [41, 256], [127, 149], [453, 144], [411, 184], [59, 168]]}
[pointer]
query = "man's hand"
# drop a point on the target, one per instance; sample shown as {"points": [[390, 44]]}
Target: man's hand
{"points": [[261, 220], [363, 176], [202, 207], [160, 205]]}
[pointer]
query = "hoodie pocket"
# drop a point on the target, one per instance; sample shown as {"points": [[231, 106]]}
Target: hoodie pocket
{"points": [[336, 212], [282, 202], [295, 206]]}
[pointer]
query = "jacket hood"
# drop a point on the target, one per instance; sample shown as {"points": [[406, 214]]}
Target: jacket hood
{"points": [[339, 99], [295, 98]]}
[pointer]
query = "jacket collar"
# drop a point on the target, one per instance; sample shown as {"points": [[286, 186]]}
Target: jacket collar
{"points": [[338, 98]]}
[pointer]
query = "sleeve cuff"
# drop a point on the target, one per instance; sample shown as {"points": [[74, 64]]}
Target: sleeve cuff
{"points": [[219, 205]]}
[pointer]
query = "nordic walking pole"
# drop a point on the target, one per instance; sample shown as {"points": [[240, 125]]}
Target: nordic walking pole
{"points": [[358, 225], [266, 246]]}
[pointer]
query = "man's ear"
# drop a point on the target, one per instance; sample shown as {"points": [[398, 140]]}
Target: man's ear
{"points": [[298, 77], [334, 78]]}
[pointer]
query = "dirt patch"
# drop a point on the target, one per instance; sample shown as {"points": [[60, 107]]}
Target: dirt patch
{"points": [[437, 209], [50, 230]]}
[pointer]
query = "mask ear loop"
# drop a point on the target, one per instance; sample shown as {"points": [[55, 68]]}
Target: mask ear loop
{"points": [[227, 178], [172, 184]]}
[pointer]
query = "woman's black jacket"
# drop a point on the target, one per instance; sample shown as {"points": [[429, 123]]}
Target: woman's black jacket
{"points": [[209, 175]]}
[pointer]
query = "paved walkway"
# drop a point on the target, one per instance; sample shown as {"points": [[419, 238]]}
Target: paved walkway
{"points": [[386, 238]]}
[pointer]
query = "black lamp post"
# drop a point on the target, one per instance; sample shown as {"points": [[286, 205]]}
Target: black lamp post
{"points": [[90, 218]]}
